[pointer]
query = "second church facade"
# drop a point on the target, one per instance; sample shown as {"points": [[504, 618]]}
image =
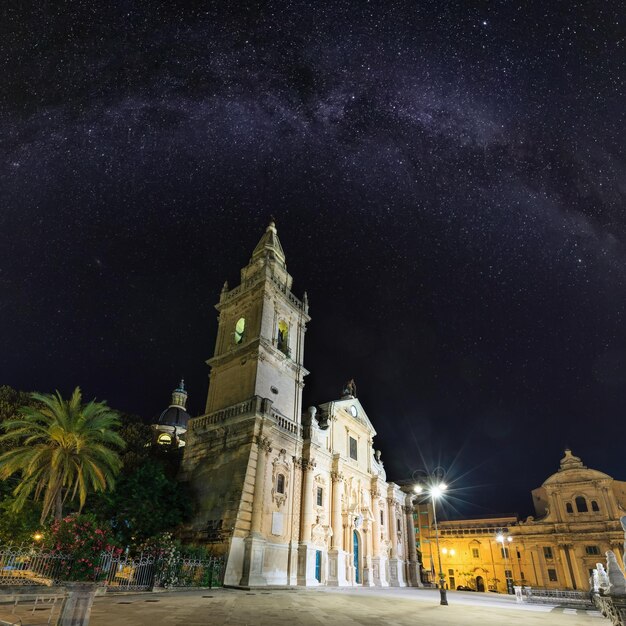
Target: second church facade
{"points": [[290, 497]]}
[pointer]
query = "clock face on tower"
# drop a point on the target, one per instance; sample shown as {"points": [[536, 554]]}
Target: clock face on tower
{"points": [[353, 411]]}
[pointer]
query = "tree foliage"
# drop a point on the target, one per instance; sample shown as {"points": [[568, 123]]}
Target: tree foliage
{"points": [[65, 449], [146, 502]]}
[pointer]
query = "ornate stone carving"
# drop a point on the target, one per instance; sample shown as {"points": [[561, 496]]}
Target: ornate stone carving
{"points": [[280, 466], [336, 477], [308, 464], [264, 444], [617, 583]]}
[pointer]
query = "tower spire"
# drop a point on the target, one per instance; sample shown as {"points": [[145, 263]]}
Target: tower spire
{"points": [[269, 246]]}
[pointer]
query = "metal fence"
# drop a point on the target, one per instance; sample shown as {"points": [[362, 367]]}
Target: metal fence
{"points": [[32, 565], [28, 565]]}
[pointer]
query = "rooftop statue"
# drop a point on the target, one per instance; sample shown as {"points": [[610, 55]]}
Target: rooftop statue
{"points": [[349, 389]]}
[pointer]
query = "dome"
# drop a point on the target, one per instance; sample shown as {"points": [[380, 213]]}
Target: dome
{"points": [[572, 470], [174, 416]]}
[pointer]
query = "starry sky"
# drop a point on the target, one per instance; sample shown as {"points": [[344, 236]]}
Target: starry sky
{"points": [[447, 180]]}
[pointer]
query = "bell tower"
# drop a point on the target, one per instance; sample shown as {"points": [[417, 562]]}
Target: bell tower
{"points": [[259, 349], [243, 457]]}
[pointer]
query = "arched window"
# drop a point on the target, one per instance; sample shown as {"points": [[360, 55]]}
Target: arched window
{"points": [[282, 340], [594, 506], [280, 483], [581, 504], [164, 439], [240, 328], [568, 507]]}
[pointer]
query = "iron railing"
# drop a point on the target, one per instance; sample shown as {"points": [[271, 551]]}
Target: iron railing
{"points": [[33, 565]]}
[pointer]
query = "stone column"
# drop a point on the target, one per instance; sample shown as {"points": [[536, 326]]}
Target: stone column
{"points": [[576, 562], [566, 567], [337, 524], [379, 558], [306, 549], [393, 533], [307, 499], [263, 450], [413, 577], [376, 524], [254, 544], [337, 554], [396, 575]]}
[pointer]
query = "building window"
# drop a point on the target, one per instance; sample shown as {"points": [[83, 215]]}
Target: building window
{"points": [[282, 339], [519, 556], [594, 506], [568, 507], [552, 575], [398, 524], [320, 496], [164, 439], [547, 553], [240, 328], [508, 575], [280, 483], [475, 553], [382, 518], [504, 552], [581, 505], [353, 448], [451, 579], [592, 550]]}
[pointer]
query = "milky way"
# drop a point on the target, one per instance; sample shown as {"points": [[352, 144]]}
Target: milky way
{"points": [[448, 183]]}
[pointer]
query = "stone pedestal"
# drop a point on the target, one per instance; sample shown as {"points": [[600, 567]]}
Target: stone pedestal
{"points": [[413, 578], [306, 565], [76, 609], [337, 568], [254, 556], [396, 575], [379, 567]]}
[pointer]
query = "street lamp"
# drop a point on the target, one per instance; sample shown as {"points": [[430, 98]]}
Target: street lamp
{"points": [[500, 538], [435, 487]]}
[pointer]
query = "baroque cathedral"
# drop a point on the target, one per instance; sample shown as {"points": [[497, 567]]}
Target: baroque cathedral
{"points": [[289, 497]]}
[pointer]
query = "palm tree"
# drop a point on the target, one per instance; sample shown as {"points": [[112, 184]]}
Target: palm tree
{"points": [[66, 449]]}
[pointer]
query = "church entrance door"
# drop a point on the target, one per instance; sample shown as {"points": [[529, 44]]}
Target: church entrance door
{"points": [[357, 573], [480, 584]]}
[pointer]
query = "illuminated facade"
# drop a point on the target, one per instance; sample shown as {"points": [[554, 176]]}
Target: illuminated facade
{"points": [[289, 497], [577, 521]]}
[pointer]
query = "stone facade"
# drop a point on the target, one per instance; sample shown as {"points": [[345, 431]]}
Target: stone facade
{"points": [[577, 520], [289, 498]]}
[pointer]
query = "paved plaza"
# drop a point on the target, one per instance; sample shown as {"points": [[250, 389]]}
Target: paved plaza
{"points": [[371, 607]]}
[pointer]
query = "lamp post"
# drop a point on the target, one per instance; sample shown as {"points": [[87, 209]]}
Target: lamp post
{"points": [[505, 542], [435, 487]]}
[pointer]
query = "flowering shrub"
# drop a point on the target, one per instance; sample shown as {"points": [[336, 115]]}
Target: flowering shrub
{"points": [[82, 540], [166, 551]]}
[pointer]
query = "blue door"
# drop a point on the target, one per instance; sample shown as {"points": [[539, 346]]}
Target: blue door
{"points": [[355, 549], [318, 566]]}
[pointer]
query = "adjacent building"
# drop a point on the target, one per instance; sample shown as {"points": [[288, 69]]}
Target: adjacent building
{"points": [[290, 497], [577, 521]]}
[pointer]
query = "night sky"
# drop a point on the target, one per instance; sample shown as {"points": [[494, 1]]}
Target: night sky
{"points": [[448, 184]]}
